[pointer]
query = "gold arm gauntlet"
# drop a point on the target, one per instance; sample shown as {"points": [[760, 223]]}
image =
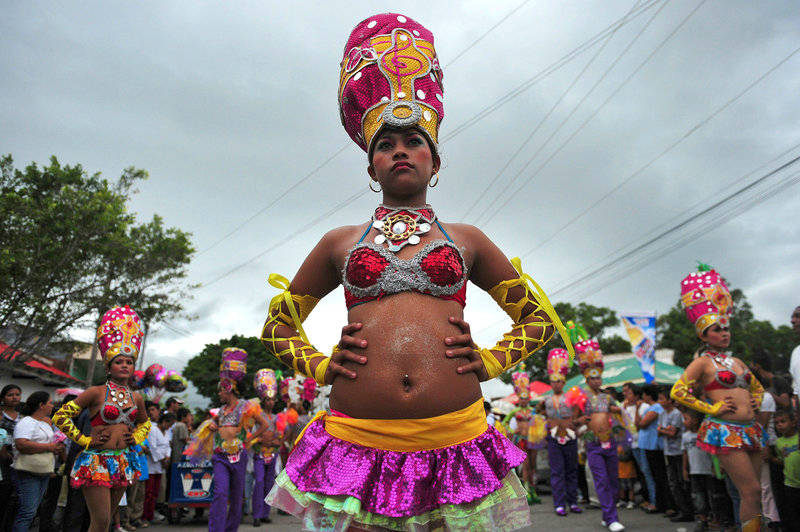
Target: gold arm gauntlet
{"points": [[297, 347], [141, 432], [517, 344], [63, 421], [682, 393], [756, 390]]}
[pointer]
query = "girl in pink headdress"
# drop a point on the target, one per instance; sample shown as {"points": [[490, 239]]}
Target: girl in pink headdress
{"points": [[732, 393], [108, 464], [406, 444]]}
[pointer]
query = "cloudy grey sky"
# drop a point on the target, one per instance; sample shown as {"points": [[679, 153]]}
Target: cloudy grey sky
{"points": [[228, 104]]}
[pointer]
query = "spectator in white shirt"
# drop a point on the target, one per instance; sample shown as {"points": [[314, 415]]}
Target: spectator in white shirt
{"points": [[794, 365], [157, 459]]}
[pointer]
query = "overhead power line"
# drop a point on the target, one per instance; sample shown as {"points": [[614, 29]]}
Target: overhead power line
{"points": [[306, 227], [696, 223], [596, 112], [557, 65], [683, 223], [483, 195], [666, 150]]}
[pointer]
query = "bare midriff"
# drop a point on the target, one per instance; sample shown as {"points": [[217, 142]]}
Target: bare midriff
{"points": [[116, 436], [407, 375], [228, 433], [599, 423], [741, 398]]}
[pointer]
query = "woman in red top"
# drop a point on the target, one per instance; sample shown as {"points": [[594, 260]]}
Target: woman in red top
{"points": [[108, 465], [406, 444], [730, 430]]}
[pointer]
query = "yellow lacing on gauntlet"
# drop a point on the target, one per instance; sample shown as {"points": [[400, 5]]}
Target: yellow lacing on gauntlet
{"points": [[682, 393], [516, 344], [63, 421], [141, 432], [297, 347], [756, 390]]}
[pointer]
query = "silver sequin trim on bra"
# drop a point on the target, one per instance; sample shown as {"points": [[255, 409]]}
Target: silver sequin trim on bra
{"points": [[404, 275]]}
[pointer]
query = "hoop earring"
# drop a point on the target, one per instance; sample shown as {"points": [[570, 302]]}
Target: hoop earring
{"points": [[433, 183], [380, 188]]}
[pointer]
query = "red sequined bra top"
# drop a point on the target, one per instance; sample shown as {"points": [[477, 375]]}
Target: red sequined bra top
{"points": [[725, 377], [112, 411], [372, 271]]}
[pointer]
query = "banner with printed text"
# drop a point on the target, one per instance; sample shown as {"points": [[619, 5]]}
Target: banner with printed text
{"points": [[642, 332]]}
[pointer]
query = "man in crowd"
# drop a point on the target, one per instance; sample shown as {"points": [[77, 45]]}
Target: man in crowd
{"points": [[794, 365], [777, 386]]}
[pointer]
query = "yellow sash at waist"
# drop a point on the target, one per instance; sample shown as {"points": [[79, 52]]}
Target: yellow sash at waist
{"points": [[407, 435]]}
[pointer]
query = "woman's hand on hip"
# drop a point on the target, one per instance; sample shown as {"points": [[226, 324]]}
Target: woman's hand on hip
{"points": [[462, 346], [343, 353]]}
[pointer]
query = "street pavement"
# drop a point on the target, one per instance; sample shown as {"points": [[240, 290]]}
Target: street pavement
{"points": [[542, 517]]}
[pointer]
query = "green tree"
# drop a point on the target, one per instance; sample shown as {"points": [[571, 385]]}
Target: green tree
{"points": [[202, 370], [70, 249], [748, 335]]}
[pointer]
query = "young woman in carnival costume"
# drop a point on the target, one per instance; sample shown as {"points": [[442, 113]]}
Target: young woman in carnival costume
{"points": [[732, 394], [265, 450], [225, 439], [406, 444], [108, 464], [527, 431], [562, 445], [600, 413]]}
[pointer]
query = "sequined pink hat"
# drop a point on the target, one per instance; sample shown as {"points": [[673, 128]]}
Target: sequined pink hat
{"points": [[266, 383], [120, 333], [233, 368], [390, 76], [590, 357], [522, 383], [706, 298], [558, 364]]}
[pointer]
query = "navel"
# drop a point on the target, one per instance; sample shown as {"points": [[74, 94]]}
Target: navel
{"points": [[406, 383]]}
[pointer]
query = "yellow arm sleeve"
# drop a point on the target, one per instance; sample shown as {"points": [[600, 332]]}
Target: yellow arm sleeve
{"points": [[141, 432], [756, 390], [682, 393], [529, 331], [291, 310], [63, 421]]}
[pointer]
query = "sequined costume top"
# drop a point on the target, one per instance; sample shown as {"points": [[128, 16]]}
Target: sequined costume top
{"points": [[113, 410], [372, 271], [205, 442], [725, 377], [597, 403], [560, 411]]}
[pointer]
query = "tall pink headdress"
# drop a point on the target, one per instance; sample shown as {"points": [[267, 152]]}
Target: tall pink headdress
{"points": [[522, 384], [233, 368], [590, 357], [266, 383], [706, 298], [120, 333], [558, 364], [390, 76]]}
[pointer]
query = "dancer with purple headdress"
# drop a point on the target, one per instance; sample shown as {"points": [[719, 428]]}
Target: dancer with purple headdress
{"points": [[225, 439], [405, 445]]}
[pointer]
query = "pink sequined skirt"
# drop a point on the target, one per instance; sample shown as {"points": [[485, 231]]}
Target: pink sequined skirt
{"points": [[332, 484]]}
